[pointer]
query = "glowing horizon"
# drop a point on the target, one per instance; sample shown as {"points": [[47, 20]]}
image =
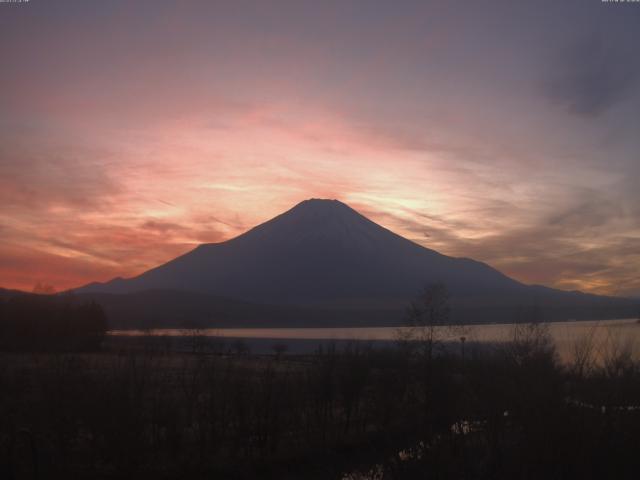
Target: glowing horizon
{"points": [[145, 129]]}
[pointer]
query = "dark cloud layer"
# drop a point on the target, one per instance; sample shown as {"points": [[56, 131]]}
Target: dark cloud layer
{"points": [[594, 74]]}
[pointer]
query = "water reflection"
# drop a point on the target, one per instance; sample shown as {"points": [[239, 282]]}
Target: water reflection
{"points": [[600, 336]]}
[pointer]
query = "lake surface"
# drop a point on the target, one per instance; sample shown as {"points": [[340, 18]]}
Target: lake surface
{"points": [[604, 335]]}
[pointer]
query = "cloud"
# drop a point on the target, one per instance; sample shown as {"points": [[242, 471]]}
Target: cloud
{"points": [[161, 227], [592, 211], [24, 267], [594, 74], [46, 176], [585, 245]]}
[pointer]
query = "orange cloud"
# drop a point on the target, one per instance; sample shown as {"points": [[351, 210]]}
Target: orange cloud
{"points": [[72, 216]]}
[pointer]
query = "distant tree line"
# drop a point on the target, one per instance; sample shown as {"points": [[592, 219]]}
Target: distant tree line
{"points": [[30, 322]]}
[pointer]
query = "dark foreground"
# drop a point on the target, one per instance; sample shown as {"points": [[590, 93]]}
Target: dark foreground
{"points": [[506, 412]]}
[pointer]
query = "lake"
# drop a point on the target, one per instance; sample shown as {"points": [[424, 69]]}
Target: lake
{"points": [[605, 335]]}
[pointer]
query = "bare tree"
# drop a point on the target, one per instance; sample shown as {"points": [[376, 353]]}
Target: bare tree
{"points": [[197, 341], [279, 349], [531, 340], [426, 316]]}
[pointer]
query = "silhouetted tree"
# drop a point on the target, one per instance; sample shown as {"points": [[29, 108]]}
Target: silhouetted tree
{"points": [[429, 311], [43, 322], [279, 349]]}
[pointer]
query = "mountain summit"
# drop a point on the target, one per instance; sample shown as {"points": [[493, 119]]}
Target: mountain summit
{"points": [[318, 252]]}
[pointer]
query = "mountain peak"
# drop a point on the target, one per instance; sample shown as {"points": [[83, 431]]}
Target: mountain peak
{"points": [[314, 200], [320, 203], [315, 217]]}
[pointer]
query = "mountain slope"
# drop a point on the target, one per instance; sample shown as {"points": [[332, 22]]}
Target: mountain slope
{"points": [[319, 252]]}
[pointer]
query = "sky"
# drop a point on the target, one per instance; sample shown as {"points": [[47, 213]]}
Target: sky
{"points": [[508, 132]]}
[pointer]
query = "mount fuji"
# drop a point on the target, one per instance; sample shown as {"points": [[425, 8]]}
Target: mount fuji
{"points": [[322, 254]]}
